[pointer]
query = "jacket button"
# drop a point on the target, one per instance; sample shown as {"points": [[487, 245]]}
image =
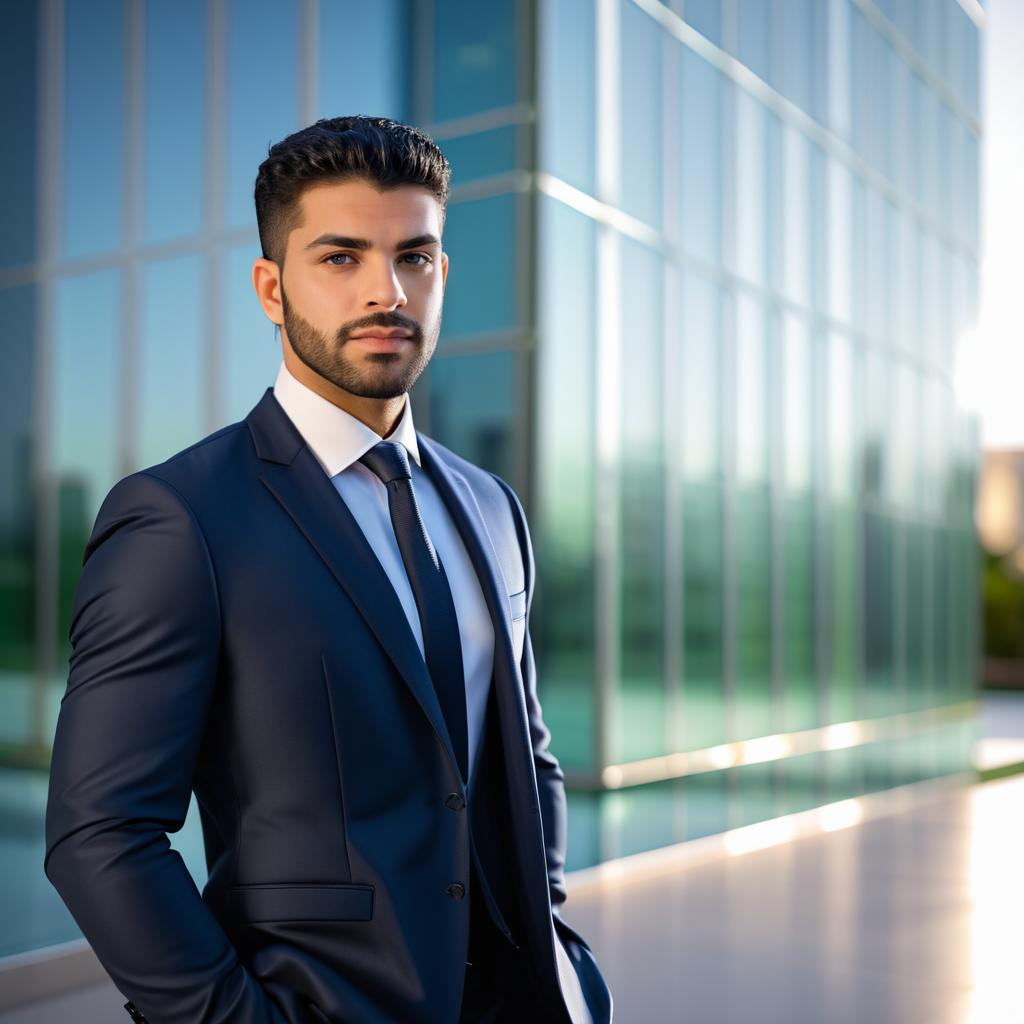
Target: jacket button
{"points": [[454, 801], [456, 890]]}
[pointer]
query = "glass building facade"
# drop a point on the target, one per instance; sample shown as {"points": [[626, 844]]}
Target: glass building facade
{"points": [[711, 263]]}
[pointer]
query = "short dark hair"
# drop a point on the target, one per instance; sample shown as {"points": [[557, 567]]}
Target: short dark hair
{"points": [[385, 153]]}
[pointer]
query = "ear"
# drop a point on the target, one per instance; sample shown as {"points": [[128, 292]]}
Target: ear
{"points": [[266, 279], [444, 269]]}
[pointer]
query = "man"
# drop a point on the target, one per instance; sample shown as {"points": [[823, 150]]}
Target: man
{"points": [[316, 619]]}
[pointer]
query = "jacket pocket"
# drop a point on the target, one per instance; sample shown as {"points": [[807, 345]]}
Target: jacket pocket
{"points": [[300, 902]]}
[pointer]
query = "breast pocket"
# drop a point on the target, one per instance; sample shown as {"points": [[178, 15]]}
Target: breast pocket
{"points": [[518, 602]]}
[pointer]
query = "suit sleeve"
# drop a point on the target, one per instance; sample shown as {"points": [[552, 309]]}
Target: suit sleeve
{"points": [[145, 636], [550, 778]]}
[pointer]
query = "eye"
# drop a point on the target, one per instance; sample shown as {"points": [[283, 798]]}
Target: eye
{"points": [[336, 256], [426, 258]]}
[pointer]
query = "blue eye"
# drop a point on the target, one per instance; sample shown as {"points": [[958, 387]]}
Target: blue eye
{"points": [[344, 255]]}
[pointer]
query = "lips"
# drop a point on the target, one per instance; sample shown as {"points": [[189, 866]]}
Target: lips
{"points": [[382, 333]]}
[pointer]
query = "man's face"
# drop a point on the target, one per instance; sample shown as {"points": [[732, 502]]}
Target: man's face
{"points": [[333, 288]]}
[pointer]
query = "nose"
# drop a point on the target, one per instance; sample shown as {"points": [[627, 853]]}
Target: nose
{"points": [[385, 289]]}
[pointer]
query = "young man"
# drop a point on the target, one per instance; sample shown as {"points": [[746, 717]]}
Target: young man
{"points": [[316, 619]]}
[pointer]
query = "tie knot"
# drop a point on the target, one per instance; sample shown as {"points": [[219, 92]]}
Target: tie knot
{"points": [[389, 460]]}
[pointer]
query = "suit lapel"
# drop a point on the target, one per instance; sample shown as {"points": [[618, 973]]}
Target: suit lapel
{"points": [[291, 473]]}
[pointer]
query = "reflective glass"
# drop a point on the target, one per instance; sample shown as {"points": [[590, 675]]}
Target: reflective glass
{"points": [[877, 278], [751, 237], [19, 50], [837, 54], [751, 537], [252, 347], [262, 94], [706, 17], [481, 154], [754, 36], [480, 238], [878, 559], [562, 522], [799, 620], [474, 409], [363, 63], [175, 104], [932, 299], [801, 54], [700, 165], [897, 165], [88, 429], [93, 128], [840, 250], [640, 153], [475, 49], [640, 709], [843, 454], [703, 712], [172, 367], [796, 226], [931, 155], [566, 115], [18, 307]]}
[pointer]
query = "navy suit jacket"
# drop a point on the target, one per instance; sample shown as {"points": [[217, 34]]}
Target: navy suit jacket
{"points": [[234, 635]]}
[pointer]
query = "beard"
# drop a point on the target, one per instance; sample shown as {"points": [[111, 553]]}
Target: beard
{"points": [[377, 374]]}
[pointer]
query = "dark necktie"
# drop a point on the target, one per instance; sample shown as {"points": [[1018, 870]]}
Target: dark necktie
{"points": [[441, 641]]}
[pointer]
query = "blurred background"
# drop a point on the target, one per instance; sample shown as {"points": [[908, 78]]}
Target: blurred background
{"points": [[716, 310]]}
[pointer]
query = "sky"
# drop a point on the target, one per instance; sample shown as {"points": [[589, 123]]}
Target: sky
{"points": [[990, 372]]}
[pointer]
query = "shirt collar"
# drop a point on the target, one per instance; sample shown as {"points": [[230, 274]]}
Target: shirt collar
{"points": [[335, 436]]}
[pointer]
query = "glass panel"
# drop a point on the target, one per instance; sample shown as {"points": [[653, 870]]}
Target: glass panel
{"points": [[252, 347], [798, 640], [640, 711], [17, 521], [481, 154], [641, 106], [475, 52], [563, 525], [706, 17], [859, 106], [875, 315], [93, 97], [174, 116], [172, 364], [480, 238], [566, 113], [19, 50], [842, 454], [840, 250], [754, 36], [369, 76], [801, 40], [752, 534], [88, 428], [796, 231], [751, 240], [473, 408], [703, 712], [878, 561], [258, 117], [700, 174]]}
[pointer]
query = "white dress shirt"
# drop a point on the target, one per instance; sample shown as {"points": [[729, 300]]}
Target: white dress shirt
{"points": [[337, 440]]}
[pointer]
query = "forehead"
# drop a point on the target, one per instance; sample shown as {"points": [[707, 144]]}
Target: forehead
{"points": [[358, 209]]}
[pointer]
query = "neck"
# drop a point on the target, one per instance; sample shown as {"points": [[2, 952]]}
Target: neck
{"points": [[381, 415]]}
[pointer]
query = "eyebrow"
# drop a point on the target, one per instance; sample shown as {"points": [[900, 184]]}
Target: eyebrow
{"points": [[344, 242]]}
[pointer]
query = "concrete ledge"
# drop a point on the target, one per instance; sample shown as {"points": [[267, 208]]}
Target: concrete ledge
{"points": [[26, 978]]}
